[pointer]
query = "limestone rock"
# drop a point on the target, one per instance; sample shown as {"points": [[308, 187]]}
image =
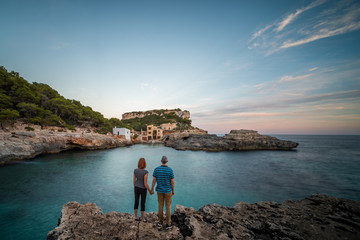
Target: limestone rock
{"points": [[18, 145], [87, 221], [316, 217], [236, 140], [183, 114]]}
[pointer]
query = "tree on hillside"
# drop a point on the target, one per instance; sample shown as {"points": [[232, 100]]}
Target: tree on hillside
{"points": [[45, 93], [29, 110], [5, 101], [8, 115]]}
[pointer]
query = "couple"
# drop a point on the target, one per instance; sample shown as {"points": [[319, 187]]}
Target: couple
{"points": [[163, 177]]}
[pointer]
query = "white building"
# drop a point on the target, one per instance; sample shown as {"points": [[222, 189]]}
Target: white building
{"points": [[122, 131]]}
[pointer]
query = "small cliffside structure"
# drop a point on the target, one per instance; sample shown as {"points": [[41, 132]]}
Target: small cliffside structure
{"points": [[122, 132]]}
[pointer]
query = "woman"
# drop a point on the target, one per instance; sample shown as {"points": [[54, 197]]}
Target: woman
{"points": [[140, 186]]}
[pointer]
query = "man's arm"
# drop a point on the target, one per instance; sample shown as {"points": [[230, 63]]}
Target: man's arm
{"points": [[173, 185]]}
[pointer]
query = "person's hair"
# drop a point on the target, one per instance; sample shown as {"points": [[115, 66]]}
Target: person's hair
{"points": [[142, 163], [164, 160]]}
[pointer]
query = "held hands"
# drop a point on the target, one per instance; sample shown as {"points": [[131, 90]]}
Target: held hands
{"points": [[151, 192]]}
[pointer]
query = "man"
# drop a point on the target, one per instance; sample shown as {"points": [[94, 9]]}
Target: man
{"points": [[165, 188]]}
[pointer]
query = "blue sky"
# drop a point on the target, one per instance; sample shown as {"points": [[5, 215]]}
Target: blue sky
{"points": [[272, 66]]}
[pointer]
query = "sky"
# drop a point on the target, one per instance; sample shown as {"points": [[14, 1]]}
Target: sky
{"points": [[278, 67]]}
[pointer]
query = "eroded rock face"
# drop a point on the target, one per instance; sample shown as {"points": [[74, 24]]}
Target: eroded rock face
{"points": [[18, 145], [236, 140], [316, 217]]}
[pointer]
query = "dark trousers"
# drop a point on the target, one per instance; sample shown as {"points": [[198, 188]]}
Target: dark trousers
{"points": [[140, 192]]}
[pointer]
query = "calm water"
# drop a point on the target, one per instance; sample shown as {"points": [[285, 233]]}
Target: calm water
{"points": [[33, 192]]}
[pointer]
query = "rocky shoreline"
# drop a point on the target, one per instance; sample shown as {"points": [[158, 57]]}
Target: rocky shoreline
{"points": [[19, 144], [316, 217], [236, 140]]}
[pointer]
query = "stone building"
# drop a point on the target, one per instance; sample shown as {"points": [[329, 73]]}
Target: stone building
{"points": [[122, 132], [153, 132]]}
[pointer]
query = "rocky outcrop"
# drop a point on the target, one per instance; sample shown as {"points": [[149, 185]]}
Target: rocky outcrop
{"points": [[236, 140], [316, 217], [183, 114], [18, 144], [87, 221]]}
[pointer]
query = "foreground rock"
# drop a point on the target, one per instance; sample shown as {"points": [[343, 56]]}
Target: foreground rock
{"points": [[316, 217], [21, 144], [88, 222], [236, 140]]}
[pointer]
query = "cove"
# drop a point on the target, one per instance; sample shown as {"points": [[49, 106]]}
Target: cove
{"points": [[33, 192]]}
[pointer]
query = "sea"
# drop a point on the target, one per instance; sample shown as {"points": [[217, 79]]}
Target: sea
{"points": [[33, 192]]}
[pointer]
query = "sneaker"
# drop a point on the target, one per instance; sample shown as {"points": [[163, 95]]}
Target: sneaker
{"points": [[159, 225], [138, 219], [169, 227]]}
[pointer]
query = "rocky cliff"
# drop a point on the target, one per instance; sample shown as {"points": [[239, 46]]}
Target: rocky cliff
{"points": [[315, 217], [183, 114], [236, 140], [21, 144]]}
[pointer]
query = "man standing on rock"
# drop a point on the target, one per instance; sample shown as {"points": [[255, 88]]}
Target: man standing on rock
{"points": [[164, 178]]}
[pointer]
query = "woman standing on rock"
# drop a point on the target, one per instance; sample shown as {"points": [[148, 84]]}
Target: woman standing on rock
{"points": [[140, 186]]}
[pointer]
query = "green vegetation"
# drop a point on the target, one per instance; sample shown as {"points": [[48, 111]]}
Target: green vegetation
{"points": [[158, 119], [38, 103]]}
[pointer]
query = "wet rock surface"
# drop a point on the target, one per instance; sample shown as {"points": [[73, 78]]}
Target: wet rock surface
{"points": [[316, 217], [236, 140]]}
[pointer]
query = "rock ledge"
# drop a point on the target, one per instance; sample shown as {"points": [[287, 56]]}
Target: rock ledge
{"points": [[316, 217], [19, 145]]}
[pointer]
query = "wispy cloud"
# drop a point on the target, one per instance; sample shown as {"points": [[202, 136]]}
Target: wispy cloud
{"points": [[297, 28], [275, 85], [313, 69], [289, 78], [282, 105], [291, 17]]}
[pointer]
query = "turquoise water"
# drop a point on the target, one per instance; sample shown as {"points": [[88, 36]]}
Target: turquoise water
{"points": [[33, 192]]}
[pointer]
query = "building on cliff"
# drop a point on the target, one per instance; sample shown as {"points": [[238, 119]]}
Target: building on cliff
{"points": [[156, 132], [122, 132]]}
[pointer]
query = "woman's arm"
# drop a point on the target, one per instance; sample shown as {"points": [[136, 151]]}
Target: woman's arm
{"points": [[146, 182], [134, 179]]}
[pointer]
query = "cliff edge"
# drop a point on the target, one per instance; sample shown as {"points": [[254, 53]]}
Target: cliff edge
{"points": [[19, 144], [316, 217]]}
